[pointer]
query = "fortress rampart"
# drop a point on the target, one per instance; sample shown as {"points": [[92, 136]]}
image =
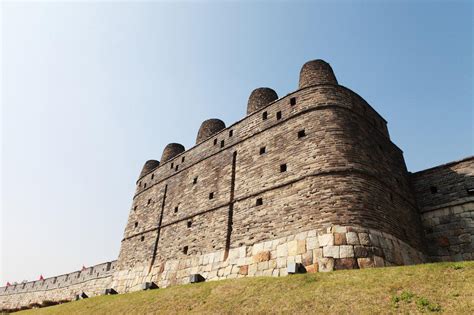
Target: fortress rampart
{"points": [[311, 177]]}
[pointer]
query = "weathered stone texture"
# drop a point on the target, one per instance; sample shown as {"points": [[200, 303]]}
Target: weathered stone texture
{"points": [[309, 178], [445, 196]]}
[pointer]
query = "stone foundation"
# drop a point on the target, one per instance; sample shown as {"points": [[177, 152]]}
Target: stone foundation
{"points": [[335, 248]]}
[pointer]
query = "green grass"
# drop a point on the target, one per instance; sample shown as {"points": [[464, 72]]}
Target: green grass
{"points": [[430, 288]]}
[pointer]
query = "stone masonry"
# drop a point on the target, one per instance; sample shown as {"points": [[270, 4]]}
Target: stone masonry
{"points": [[310, 178]]}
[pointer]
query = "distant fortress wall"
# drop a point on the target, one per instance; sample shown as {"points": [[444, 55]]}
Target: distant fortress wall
{"points": [[310, 178], [92, 280]]}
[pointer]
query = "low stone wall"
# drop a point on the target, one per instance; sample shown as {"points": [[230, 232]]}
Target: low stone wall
{"points": [[92, 281], [335, 248]]}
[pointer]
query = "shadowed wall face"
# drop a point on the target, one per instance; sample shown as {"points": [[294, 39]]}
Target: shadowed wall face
{"points": [[445, 197]]}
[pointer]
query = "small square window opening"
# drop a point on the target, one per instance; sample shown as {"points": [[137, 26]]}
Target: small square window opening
{"points": [[301, 133]]}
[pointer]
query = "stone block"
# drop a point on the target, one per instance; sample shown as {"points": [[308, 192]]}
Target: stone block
{"points": [[261, 256], [331, 251], [313, 268], [352, 238], [283, 272], [272, 264], [360, 251], [339, 229], [374, 240], [317, 253], [326, 240], [282, 250], [379, 261], [281, 262], [252, 269], [364, 239], [312, 243], [365, 262], [262, 265], [307, 258], [326, 264], [345, 263], [296, 247], [339, 239], [346, 251]]}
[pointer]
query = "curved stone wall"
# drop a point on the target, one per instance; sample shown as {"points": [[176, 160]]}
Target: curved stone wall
{"points": [[312, 178]]}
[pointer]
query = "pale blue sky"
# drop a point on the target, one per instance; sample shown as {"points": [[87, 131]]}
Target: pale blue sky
{"points": [[92, 90]]}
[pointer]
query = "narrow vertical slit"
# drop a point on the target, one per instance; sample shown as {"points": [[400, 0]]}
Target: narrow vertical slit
{"points": [[155, 248], [231, 207]]}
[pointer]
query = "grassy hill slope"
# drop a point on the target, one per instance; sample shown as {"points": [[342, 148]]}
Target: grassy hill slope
{"points": [[442, 288]]}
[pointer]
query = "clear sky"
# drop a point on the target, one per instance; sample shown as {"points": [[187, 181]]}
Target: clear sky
{"points": [[92, 90]]}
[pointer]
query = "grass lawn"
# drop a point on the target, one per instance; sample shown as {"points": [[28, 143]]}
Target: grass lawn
{"points": [[431, 288]]}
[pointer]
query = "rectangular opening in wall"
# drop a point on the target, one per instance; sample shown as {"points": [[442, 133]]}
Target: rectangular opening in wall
{"points": [[215, 141], [136, 224], [301, 133], [182, 159], [262, 150], [189, 223], [135, 208], [259, 202], [293, 101], [185, 250], [176, 209], [222, 143], [152, 176], [149, 201], [142, 238], [195, 180], [140, 184], [264, 115], [231, 133], [282, 168], [278, 115], [176, 168], [211, 195], [172, 165], [434, 189], [144, 186]]}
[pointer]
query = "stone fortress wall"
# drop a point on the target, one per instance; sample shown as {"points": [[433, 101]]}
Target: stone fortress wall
{"points": [[445, 196], [92, 280], [311, 177]]}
